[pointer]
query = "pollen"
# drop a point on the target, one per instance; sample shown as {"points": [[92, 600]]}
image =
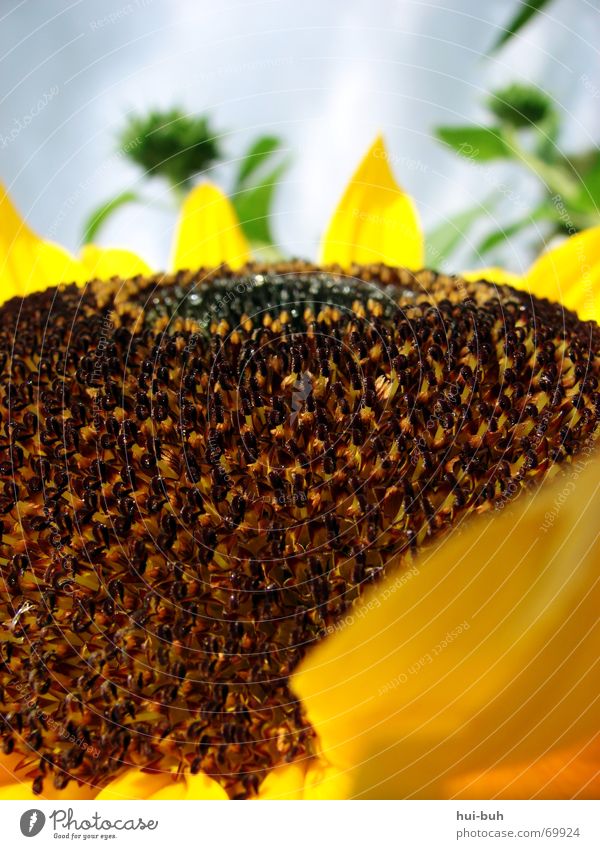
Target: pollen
{"points": [[201, 473]]}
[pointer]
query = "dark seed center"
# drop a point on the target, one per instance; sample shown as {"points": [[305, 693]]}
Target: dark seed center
{"points": [[200, 475]]}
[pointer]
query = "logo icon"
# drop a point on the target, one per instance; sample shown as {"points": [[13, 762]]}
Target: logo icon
{"points": [[32, 822]]}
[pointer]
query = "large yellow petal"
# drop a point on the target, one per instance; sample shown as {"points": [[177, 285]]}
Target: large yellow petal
{"points": [[27, 263], [375, 221], [480, 658], [568, 773], [570, 273], [104, 263], [208, 233]]}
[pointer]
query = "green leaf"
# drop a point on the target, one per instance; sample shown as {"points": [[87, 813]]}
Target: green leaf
{"points": [[544, 212], [477, 143], [496, 238], [259, 151], [445, 238], [253, 206], [101, 214], [525, 12], [500, 236]]}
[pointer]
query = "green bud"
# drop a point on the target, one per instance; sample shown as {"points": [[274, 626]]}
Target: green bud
{"points": [[520, 105], [170, 144]]}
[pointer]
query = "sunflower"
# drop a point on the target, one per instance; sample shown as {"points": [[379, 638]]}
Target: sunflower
{"points": [[296, 531]]}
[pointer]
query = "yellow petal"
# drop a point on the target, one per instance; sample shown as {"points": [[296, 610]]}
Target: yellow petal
{"points": [[72, 791], [570, 773], [22, 790], [14, 783], [208, 233], [27, 263], [135, 784], [375, 221], [481, 657], [284, 782], [315, 780], [570, 273], [193, 787], [104, 263], [8, 768], [495, 275], [324, 781]]}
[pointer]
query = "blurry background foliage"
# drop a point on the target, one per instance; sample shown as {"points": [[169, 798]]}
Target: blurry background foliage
{"points": [[181, 149], [523, 128]]}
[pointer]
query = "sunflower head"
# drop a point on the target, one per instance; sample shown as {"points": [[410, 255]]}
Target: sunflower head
{"points": [[203, 472], [208, 477]]}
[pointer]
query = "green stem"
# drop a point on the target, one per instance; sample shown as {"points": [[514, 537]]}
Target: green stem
{"points": [[556, 181], [267, 253]]}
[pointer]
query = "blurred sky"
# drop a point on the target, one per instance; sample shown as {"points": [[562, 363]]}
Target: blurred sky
{"points": [[326, 75]]}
